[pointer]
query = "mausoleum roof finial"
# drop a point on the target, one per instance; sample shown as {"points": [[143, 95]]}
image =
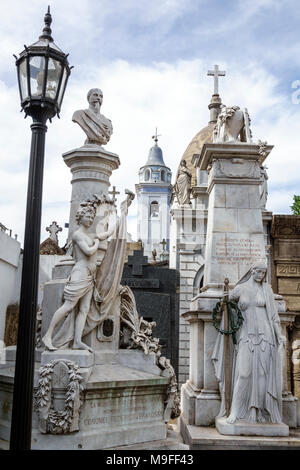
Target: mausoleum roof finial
{"points": [[47, 30]]}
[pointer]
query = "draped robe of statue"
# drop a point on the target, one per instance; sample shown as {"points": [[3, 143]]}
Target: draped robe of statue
{"points": [[256, 371], [97, 127], [106, 287]]}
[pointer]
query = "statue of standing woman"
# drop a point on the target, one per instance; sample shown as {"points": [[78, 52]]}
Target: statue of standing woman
{"points": [[182, 187], [256, 382]]}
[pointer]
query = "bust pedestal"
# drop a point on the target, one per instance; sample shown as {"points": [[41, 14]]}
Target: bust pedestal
{"points": [[91, 167]]}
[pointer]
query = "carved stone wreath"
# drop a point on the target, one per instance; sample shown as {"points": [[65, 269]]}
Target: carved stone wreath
{"points": [[66, 420]]}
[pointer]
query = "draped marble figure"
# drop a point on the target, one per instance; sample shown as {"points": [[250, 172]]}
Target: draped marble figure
{"points": [[91, 291], [182, 187], [256, 381], [97, 127]]}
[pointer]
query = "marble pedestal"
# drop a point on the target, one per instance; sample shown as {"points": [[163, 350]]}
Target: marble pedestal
{"points": [[208, 438], [200, 395], [244, 428], [123, 402], [91, 166]]}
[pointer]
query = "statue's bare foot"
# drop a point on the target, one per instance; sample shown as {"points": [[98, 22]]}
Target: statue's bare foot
{"points": [[81, 345], [47, 342], [231, 419]]}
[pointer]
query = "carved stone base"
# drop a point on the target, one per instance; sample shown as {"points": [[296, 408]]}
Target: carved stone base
{"points": [[120, 406], [199, 407], [244, 428], [208, 438], [289, 410]]}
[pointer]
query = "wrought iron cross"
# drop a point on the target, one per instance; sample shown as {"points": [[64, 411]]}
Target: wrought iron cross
{"points": [[216, 73], [155, 137]]}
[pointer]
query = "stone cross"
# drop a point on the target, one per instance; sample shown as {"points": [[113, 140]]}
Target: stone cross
{"points": [[114, 192], [164, 244], [216, 73], [54, 229], [137, 261]]}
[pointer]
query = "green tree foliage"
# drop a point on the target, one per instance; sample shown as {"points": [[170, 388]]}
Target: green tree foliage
{"points": [[296, 206]]}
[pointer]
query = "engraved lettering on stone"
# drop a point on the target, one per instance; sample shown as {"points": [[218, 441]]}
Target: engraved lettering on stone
{"points": [[235, 250]]}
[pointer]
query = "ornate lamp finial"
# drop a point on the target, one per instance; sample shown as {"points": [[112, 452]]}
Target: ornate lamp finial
{"points": [[47, 30]]}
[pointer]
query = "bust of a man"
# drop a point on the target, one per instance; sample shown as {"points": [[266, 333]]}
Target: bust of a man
{"points": [[96, 126]]}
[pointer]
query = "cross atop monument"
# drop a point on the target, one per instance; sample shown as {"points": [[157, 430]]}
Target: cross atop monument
{"points": [[155, 137], [137, 261], [216, 73], [164, 244], [114, 193], [54, 229]]}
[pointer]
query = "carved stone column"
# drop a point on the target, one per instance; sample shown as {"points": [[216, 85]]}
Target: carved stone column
{"points": [[91, 168]]}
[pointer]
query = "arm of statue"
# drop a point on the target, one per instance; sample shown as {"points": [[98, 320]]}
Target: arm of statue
{"points": [[104, 235], [235, 294], [87, 250]]}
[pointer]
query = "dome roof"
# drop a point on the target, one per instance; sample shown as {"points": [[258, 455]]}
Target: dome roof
{"points": [[195, 146], [155, 156]]}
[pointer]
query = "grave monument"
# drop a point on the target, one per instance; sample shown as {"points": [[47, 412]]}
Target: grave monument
{"points": [[236, 249], [101, 380]]}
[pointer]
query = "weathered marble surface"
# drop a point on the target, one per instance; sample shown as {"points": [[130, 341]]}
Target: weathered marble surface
{"points": [[126, 406]]}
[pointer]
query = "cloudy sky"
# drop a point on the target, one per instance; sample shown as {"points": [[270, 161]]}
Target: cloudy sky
{"points": [[150, 58]]}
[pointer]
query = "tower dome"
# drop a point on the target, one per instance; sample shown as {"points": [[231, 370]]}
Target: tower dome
{"points": [[155, 156]]}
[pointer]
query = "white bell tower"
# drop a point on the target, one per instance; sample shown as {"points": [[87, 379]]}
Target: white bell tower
{"points": [[153, 196]]}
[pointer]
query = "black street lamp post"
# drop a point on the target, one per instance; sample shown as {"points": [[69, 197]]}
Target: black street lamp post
{"points": [[43, 72]]}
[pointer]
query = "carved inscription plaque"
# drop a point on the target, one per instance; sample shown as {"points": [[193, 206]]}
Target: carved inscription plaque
{"points": [[238, 251], [98, 413]]}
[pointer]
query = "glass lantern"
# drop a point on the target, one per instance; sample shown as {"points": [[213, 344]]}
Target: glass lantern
{"points": [[43, 72]]}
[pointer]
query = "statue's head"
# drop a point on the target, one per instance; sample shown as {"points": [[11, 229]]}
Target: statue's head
{"points": [[94, 96], [85, 215], [259, 271], [183, 162]]}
